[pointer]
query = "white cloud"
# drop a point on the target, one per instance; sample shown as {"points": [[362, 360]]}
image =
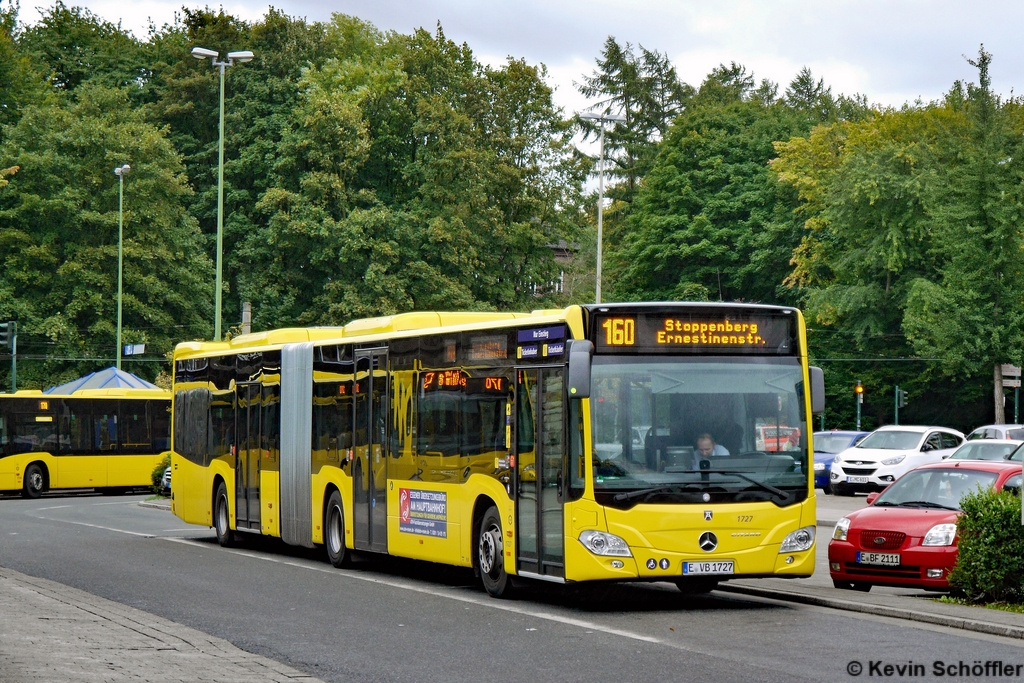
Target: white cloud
{"points": [[890, 51]]}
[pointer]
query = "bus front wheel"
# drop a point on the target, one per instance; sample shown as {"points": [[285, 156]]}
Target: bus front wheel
{"points": [[491, 556], [222, 517], [35, 481], [334, 532]]}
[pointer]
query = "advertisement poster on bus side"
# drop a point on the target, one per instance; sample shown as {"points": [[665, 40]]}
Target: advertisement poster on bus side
{"points": [[424, 513]]}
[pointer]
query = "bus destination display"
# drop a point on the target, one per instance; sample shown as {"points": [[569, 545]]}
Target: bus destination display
{"points": [[695, 332]]}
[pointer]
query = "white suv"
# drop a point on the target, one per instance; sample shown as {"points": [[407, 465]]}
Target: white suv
{"points": [[997, 432], [887, 454]]}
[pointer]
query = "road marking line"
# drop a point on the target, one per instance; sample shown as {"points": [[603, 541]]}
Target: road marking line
{"points": [[55, 507], [97, 526], [489, 602]]}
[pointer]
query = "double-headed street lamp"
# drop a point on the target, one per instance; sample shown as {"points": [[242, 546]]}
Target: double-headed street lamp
{"points": [[121, 172], [241, 57], [601, 119]]}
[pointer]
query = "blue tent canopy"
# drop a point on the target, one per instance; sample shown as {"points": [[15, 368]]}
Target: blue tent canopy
{"points": [[110, 378]]}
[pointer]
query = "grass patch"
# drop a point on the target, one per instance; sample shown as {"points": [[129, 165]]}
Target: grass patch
{"points": [[1015, 607]]}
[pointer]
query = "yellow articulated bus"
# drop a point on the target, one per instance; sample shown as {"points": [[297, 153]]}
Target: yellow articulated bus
{"points": [[108, 439], [610, 442]]}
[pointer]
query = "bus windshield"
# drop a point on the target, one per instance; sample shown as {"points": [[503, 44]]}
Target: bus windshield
{"points": [[700, 430]]}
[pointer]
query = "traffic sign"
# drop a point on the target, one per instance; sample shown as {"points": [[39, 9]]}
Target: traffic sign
{"points": [[1011, 383], [1011, 370]]}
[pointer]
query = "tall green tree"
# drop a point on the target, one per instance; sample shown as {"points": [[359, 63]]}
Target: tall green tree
{"points": [[646, 91], [970, 311], [20, 83], [446, 184], [907, 215], [59, 237], [710, 221], [72, 46]]}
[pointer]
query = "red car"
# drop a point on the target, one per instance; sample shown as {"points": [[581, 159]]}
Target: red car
{"points": [[907, 534]]}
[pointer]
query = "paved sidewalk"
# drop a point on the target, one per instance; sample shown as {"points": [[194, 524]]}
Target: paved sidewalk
{"points": [[51, 632], [921, 609]]}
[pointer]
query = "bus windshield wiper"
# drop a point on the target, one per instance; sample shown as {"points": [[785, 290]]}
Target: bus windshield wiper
{"points": [[767, 487], [674, 488]]}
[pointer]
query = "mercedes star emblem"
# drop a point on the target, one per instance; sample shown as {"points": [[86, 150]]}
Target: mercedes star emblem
{"points": [[708, 541]]}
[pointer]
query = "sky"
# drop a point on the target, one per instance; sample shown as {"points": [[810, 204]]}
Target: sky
{"points": [[892, 51]]}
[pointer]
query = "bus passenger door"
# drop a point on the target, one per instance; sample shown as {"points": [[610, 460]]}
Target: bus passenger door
{"points": [[369, 468], [540, 448], [247, 456]]}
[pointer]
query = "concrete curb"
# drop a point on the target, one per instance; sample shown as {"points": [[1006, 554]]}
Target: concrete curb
{"points": [[875, 609], [155, 504]]}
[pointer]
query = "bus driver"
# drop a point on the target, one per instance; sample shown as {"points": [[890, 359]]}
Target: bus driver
{"points": [[706, 447]]}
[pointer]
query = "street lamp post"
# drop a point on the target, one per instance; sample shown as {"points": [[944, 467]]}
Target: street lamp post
{"points": [[121, 172], [601, 119], [232, 57]]}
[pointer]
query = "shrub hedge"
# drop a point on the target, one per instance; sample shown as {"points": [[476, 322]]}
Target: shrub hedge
{"points": [[157, 475], [990, 562]]}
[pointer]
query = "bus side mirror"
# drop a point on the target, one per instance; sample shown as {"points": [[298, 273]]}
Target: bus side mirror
{"points": [[580, 352], [817, 390]]}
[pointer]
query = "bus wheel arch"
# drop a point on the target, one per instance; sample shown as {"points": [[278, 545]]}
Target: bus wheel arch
{"points": [[489, 553], [222, 514], [36, 480], [480, 507], [338, 553]]}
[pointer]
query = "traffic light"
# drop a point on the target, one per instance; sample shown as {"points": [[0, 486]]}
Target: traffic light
{"points": [[902, 398], [8, 331], [859, 390]]}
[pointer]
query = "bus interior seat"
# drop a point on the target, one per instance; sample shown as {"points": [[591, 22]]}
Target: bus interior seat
{"points": [[664, 448]]}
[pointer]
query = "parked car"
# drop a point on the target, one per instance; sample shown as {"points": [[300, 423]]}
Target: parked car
{"points": [[998, 432], [887, 453], [826, 446], [986, 449], [906, 536], [165, 482]]}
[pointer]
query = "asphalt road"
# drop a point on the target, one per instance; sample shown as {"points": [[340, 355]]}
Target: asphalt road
{"points": [[394, 620]]}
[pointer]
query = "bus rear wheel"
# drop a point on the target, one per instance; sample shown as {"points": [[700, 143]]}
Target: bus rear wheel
{"points": [[222, 517], [334, 532], [491, 556], [35, 481]]}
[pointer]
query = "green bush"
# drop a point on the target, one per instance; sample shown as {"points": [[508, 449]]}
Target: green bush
{"points": [[157, 475], [990, 563]]}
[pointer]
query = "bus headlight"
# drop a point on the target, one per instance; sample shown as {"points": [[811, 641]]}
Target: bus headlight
{"points": [[600, 543], [801, 539], [940, 534]]}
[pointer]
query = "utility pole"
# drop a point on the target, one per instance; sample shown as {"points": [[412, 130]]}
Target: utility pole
{"points": [[601, 119], [859, 392], [9, 338]]}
